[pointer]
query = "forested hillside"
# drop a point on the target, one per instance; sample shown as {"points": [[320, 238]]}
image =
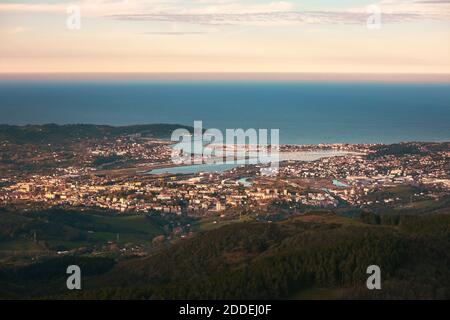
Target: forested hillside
{"points": [[282, 260], [61, 134]]}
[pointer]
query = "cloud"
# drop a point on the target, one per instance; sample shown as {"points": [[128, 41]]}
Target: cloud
{"points": [[174, 33], [234, 12], [89, 7], [106, 7], [17, 30], [433, 1], [271, 18], [29, 7], [285, 13]]}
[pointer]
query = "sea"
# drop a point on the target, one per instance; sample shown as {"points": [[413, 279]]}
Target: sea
{"points": [[304, 112]]}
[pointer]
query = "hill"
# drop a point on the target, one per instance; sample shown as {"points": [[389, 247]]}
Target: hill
{"points": [[408, 148], [62, 134], [285, 260]]}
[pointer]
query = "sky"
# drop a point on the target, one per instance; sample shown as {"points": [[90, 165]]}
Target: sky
{"points": [[222, 36]]}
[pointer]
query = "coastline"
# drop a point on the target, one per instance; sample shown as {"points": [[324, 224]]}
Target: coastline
{"points": [[310, 154]]}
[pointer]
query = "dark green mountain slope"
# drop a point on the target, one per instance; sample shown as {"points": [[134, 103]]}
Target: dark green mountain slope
{"points": [[60, 134], [263, 261]]}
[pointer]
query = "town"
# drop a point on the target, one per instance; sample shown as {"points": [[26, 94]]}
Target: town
{"points": [[116, 174]]}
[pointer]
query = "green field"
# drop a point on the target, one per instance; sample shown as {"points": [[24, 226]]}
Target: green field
{"points": [[21, 245], [140, 227], [67, 230], [212, 223]]}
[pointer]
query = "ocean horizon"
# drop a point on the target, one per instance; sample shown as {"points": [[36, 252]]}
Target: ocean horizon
{"points": [[304, 112]]}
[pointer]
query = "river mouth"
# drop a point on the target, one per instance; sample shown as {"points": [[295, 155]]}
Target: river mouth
{"points": [[307, 156]]}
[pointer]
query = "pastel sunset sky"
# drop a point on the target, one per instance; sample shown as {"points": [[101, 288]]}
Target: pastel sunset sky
{"points": [[305, 36]]}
